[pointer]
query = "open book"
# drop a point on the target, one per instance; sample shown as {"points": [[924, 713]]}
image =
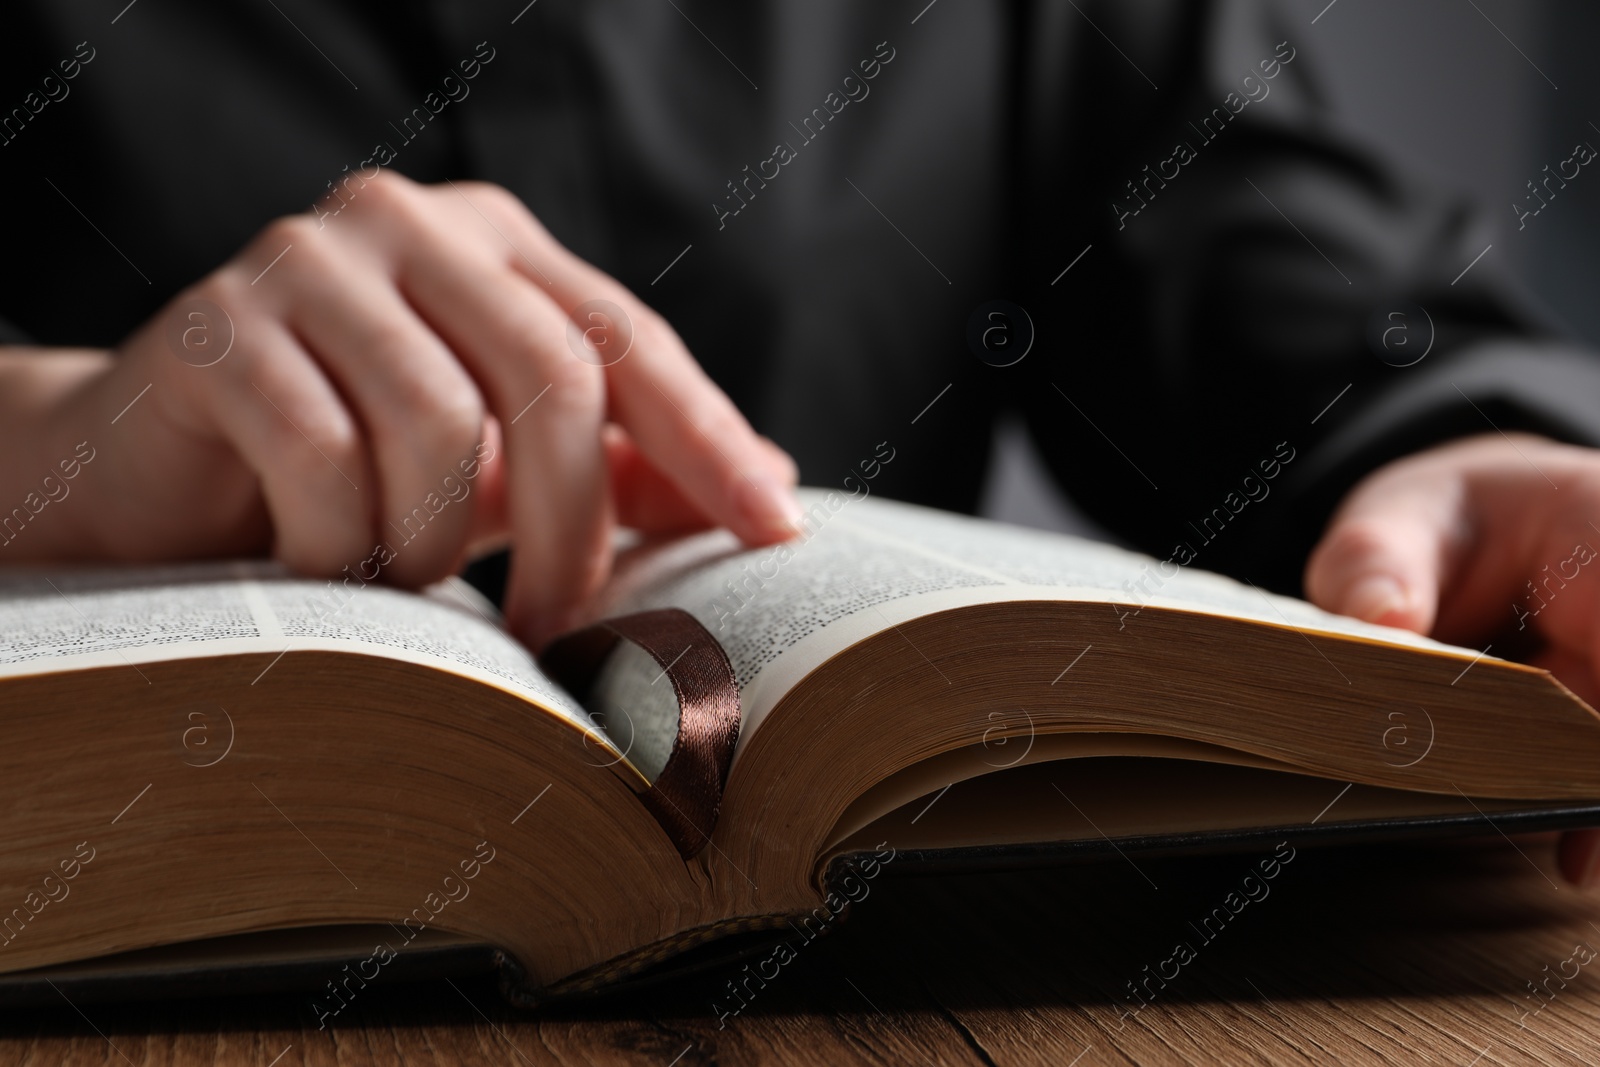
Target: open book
{"points": [[197, 755]]}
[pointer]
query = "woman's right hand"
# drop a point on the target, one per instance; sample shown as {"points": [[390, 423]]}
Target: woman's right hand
{"points": [[427, 370]]}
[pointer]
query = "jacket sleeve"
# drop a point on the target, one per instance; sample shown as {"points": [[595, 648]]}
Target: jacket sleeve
{"points": [[1258, 286]]}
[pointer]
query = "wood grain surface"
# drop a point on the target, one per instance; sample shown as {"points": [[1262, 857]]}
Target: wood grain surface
{"points": [[1353, 956]]}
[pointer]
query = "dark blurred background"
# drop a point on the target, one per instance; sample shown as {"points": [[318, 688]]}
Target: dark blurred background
{"points": [[1477, 96]]}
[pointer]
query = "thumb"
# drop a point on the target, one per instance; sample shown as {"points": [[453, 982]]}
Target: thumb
{"points": [[1389, 549]]}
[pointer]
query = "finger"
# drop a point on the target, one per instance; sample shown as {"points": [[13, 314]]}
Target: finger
{"points": [[1390, 549], [1578, 853], [646, 499], [649, 501], [687, 426], [1555, 587], [287, 421], [694, 435], [551, 407], [780, 461], [491, 526], [421, 409]]}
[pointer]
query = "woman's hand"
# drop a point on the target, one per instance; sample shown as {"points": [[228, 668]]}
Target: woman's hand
{"points": [[427, 370], [1487, 539]]}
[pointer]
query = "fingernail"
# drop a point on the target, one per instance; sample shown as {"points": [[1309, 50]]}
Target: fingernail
{"points": [[768, 505], [1375, 597]]}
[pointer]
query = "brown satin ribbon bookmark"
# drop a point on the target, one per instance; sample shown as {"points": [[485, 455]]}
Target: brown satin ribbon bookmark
{"points": [[687, 794]]}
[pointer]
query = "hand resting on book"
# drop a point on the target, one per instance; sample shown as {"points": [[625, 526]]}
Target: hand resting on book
{"points": [[1484, 540]]}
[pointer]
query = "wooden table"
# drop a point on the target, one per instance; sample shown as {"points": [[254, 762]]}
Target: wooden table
{"points": [[1373, 955]]}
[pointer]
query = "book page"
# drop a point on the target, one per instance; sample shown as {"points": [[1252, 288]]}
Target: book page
{"points": [[867, 565], [58, 620]]}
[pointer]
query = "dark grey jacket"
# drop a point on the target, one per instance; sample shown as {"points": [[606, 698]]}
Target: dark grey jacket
{"points": [[820, 195]]}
